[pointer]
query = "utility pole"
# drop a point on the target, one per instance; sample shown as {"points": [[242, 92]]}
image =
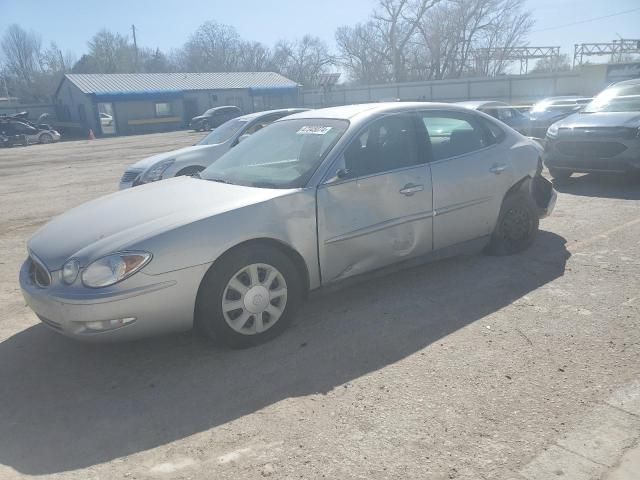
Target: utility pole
{"points": [[135, 46]]}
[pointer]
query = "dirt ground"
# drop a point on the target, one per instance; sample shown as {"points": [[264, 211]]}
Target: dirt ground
{"points": [[468, 368]]}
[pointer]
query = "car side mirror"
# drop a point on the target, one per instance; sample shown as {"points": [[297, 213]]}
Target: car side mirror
{"points": [[342, 173]]}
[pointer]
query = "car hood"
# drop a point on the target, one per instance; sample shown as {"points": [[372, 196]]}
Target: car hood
{"points": [[149, 161], [118, 221], [601, 119]]}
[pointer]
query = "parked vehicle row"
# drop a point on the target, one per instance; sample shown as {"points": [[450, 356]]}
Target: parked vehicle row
{"points": [[313, 199], [604, 136]]}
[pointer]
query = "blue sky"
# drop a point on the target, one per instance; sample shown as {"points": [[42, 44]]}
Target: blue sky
{"points": [[167, 23]]}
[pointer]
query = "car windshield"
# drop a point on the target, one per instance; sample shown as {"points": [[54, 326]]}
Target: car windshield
{"points": [[285, 155], [621, 98], [224, 132]]}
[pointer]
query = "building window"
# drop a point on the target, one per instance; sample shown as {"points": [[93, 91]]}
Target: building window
{"points": [[163, 109]]}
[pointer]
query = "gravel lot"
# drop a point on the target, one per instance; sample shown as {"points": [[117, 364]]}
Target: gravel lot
{"points": [[464, 369]]}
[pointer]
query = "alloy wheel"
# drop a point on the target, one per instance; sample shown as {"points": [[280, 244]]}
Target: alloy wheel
{"points": [[254, 299]]}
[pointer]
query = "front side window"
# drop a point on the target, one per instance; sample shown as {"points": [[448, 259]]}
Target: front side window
{"points": [[163, 109], [285, 155], [388, 144], [452, 134]]}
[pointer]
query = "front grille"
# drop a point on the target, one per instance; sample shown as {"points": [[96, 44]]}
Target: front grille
{"points": [[623, 133], [591, 149], [129, 176], [38, 273]]}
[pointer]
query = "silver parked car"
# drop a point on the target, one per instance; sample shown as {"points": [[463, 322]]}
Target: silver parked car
{"points": [[316, 198], [602, 137], [194, 159]]}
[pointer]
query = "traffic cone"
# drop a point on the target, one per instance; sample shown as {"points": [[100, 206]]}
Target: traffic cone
{"points": [[91, 135]]}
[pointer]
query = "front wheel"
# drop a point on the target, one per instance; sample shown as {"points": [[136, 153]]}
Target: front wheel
{"points": [[517, 225], [46, 138], [205, 126], [248, 297]]}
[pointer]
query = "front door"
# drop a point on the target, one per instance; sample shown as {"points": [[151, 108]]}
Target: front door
{"points": [[377, 210], [470, 176]]}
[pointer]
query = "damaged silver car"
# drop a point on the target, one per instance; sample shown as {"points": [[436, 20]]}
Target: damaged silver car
{"points": [[316, 198]]}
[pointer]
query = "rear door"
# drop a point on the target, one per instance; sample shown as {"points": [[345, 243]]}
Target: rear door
{"points": [[470, 172], [376, 209]]}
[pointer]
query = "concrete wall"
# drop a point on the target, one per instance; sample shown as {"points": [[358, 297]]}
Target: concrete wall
{"points": [[514, 89]]}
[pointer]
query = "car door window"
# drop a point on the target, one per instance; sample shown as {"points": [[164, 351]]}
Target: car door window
{"points": [[387, 144], [453, 134]]}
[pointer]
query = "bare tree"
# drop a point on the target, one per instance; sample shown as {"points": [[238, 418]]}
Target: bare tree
{"points": [[554, 64], [362, 53], [214, 47], [254, 57], [397, 22], [21, 54], [111, 53], [302, 60]]}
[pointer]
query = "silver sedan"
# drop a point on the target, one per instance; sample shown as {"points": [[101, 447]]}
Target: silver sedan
{"points": [[309, 201]]}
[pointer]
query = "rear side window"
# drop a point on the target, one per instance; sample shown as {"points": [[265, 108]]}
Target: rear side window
{"points": [[453, 134]]}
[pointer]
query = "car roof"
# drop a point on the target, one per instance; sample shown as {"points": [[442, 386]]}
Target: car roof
{"points": [[633, 81], [351, 112], [256, 115], [564, 97], [475, 104], [222, 107]]}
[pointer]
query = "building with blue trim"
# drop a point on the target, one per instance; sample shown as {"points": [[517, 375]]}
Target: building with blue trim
{"points": [[134, 103]]}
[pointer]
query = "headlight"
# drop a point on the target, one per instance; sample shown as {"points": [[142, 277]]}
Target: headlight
{"points": [[114, 268], [153, 174], [70, 271], [552, 131]]}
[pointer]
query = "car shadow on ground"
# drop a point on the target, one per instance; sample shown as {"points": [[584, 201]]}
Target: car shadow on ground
{"points": [[66, 405], [625, 187]]}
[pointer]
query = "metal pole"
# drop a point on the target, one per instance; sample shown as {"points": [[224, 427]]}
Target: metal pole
{"points": [[135, 46]]}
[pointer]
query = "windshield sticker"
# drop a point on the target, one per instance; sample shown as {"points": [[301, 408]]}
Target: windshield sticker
{"points": [[316, 130]]}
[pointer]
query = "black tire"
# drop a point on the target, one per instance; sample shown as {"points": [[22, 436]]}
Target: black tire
{"points": [[517, 225], [560, 175], [45, 138], [209, 317], [205, 125], [189, 171]]}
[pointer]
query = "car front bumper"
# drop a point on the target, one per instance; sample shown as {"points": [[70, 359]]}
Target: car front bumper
{"points": [[603, 155], [152, 305]]}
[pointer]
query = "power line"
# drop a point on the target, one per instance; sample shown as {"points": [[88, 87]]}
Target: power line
{"points": [[580, 22]]}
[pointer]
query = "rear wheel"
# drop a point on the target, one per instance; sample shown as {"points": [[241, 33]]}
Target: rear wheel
{"points": [[560, 174], [517, 225], [248, 297]]}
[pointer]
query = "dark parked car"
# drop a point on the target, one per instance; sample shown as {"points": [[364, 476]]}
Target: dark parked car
{"points": [[550, 110], [503, 112], [214, 117], [602, 137], [18, 132]]}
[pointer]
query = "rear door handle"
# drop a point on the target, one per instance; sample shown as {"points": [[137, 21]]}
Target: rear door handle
{"points": [[411, 188], [498, 168]]}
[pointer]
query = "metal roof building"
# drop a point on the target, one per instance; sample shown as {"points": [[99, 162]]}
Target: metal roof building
{"points": [[130, 103]]}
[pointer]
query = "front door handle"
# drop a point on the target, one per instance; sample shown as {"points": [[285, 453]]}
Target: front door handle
{"points": [[498, 168], [411, 188]]}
